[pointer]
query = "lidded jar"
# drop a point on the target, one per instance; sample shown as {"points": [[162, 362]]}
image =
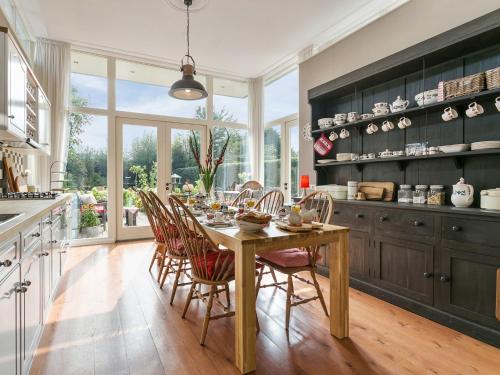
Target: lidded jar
{"points": [[420, 194], [405, 194], [436, 195]]}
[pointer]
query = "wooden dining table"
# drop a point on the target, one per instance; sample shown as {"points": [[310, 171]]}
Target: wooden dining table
{"points": [[247, 245]]}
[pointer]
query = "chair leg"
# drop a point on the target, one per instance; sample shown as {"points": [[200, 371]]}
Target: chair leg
{"points": [[228, 298], [161, 264], [164, 272], [318, 290], [153, 258], [207, 315], [259, 281], [176, 281], [273, 275], [288, 301], [188, 301]]}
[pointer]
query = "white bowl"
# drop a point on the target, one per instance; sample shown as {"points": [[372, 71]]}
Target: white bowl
{"points": [[246, 226], [345, 156], [454, 148], [484, 145], [427, 97]]}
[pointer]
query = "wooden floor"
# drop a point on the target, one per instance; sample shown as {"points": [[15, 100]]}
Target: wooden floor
{"points": [[110, 317]]}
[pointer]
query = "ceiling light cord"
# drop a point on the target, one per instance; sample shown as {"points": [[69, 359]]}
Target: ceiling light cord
{"points": [[187, 29]]}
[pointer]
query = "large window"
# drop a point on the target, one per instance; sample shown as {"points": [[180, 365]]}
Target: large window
{"points": [[281, 97], [230, 101], [89, 83], [272, 157], [87, 174], [144, 88]]}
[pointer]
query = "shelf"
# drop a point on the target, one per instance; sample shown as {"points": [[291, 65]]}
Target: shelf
{"points": [[402, 160], [415, 110]]}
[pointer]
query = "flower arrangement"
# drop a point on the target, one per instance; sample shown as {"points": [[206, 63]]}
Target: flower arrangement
{"points": [[208, 168]]}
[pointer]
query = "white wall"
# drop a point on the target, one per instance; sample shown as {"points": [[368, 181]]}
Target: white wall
{"points": [[410, 24]]}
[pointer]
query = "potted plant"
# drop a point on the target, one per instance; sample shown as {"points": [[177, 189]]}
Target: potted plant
{"points": [[208, 169], [89, 223]]}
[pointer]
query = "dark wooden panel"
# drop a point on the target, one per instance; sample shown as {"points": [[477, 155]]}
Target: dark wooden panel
{"points": [[464, 230], [359, 255], [399, 223]]}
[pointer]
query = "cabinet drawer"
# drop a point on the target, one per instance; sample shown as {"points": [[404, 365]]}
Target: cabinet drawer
{"points": [[471, 230], [9, 255], [31, 235], [404, 222], [358, 218]]}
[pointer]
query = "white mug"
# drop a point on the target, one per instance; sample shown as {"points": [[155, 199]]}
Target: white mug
{"points": [[497, 103], [387, 125], [352, 189], [344, 133], [404, 122], [449, 114], [219, 216], [372, 128], [474, 110], [333, 136]]}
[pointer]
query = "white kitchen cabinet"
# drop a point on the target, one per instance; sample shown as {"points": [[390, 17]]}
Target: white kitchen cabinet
{"points": [[10, 322], [16, 107], [44, 122]]}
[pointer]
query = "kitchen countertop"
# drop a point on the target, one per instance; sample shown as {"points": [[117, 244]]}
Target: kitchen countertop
{"points": [[31, 210]]}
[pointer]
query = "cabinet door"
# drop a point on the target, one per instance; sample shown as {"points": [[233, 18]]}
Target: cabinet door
{"points": [[405, 267], [57, 247], [44, 121], [46, 266], [467, 286], [9, 323], [31, 318], [360, 255], [17, 90]]}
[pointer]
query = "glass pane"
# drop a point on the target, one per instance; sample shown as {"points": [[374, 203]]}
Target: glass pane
{"points": [[87, 174], [294, 160], [281, 97], [139, 171], [89, 83], [272, 157], [235, 170], [184, 168], [144, 88], [230, 101]]}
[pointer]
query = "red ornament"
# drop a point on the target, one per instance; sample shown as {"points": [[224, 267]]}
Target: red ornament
{"points": [[323, 145]]}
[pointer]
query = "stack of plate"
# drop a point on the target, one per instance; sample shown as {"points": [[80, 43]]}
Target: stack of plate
{"points": [[484, 145]]}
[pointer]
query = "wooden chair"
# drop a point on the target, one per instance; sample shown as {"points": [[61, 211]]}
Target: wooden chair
{"points": [[292, 261], [159, 250], [271, 202], [252, 185], [178, 261], [210, 265], [244, 194]]}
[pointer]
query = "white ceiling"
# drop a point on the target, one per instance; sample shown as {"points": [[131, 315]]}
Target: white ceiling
{"points": [[245, 38]]}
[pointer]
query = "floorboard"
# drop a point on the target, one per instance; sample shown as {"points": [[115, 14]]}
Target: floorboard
{"points": [[110, 317]]}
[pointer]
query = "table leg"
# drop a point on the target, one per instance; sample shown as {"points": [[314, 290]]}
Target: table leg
{"points": [[245, 329], [339, 286]]}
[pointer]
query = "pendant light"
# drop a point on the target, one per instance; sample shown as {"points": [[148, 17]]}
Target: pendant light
{"points": [[188, 88]]}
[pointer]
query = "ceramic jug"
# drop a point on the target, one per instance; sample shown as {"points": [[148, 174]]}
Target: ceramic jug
{"points": [[399, 104], [463, 194]]}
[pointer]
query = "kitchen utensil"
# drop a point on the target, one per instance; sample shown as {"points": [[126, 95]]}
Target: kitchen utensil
{"points": [[427, 97], [10, 180], [344, 133], [333, 136], [404, 122], [352, 189], [474, 109], [463, 194], [339, 192], [344, 156], [389, 188], [387, 126], [385, 154], [454, 148], [399, 105], [299, 228], [352, 116], [15, 186], [372, 128], [449, 114], [366, 116], [490, 199], [372, 193], [484, 145], [325, 122]]}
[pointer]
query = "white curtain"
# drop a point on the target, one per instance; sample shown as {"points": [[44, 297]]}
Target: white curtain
{"points": [[256, 120], [53, 69]]}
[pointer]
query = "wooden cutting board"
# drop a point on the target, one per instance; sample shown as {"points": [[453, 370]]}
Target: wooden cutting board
{"points": [[389, 188], [373, 193], [6, 173], [297, 229], [14, 180]]}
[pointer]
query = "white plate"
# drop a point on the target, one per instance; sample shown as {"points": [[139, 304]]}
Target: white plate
{"points": [[484, 145], [325, 161], [454, 148]]}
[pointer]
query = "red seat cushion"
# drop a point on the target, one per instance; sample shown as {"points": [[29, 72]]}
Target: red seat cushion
{"points": [[210, 259], [288, 258]]}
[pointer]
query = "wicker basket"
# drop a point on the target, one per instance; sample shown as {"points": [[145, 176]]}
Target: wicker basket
{"points": [[493, 78], [464, 86]]}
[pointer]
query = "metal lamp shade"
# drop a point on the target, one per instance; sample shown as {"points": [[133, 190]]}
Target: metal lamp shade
{"points": [[188, 88]]}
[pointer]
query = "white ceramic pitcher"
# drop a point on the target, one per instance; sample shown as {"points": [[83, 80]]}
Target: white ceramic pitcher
{"points": [[463, 194]]}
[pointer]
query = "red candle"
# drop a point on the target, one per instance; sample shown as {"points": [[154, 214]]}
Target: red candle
{"points": [[304, 182]]}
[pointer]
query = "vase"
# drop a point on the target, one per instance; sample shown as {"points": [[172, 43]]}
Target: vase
{"points": [[207, 186]]}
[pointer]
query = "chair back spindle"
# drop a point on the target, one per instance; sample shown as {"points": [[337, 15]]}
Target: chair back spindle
{"points": [[271, 202]]}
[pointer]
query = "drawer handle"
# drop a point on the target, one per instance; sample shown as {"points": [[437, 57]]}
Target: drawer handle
{"points": [[53, 241], [22, 289], [336, 212], [26, 283], [37, 234], [360, 216], [383, 218], [427, 275], [456, 228], [45, 254], [418, 223], [6, 263], [11, 116], [444, 278], [48, 222]]}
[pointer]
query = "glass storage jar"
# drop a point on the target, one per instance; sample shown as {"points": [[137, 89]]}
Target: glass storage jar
{"points": [[405, 194], [420, 194], [436, 195]]}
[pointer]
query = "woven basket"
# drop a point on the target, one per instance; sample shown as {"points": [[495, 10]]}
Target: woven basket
{"points": [[493, 78], [464, 86]]}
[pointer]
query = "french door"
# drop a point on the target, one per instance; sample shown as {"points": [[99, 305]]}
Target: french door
{"points": [[151, 155]]}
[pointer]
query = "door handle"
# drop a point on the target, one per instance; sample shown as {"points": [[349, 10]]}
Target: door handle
{"points": [[167, 186], [11, 116], [285, 185]]}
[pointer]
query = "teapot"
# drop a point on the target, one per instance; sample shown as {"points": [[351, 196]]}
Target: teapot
{"points": [[399, 104], [463, 194]]}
